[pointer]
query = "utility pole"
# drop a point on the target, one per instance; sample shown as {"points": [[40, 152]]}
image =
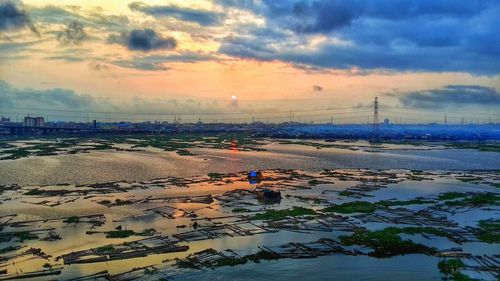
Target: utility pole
{"points": [[290, 115], [445, 120], [331, 120]]}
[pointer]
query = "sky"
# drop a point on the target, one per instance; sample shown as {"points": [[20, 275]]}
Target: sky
{"points": [[152, 59]]}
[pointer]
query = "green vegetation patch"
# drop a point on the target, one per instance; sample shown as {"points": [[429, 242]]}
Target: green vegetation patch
{"points": [[185, 263], [386, 243], [452, 195], [281, 214], [8, 249], [240, 210], [193, 263], [72, 219], [120, 233], [34, 191], [481, 146], [118, 202], [184, 152], [451, 268], [314, 182], [263, 255], [347, 193], [417, 201], [489, 231], [54, 148], [352, 207], [215, 176], [25, 235], [470, 179], [172, 142], [475, 200], [229, 261], [124, 233], [105, 249]]}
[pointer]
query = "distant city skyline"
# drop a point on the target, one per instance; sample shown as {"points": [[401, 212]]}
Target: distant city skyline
{"points": [[245, 60]]}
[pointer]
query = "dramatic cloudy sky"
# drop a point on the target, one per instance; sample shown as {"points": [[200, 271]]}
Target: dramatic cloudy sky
{"points": [[316, 57]]}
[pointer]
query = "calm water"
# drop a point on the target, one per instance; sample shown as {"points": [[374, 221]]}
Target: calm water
{"points": [[137, 166], [115, 166]]}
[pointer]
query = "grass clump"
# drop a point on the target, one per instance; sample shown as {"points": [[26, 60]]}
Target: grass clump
{"points": [[451, 268], [34, 191], [263, 255], [451, 195], [25, 235], [418, 201], [127, 233], [240, 210], [352, 207], [215, 176], [281, 214], [120, 233], [118, 202], [476, 200], [346, 193], [419, 230], [72, 219], [313, 182], [481, 146], [385, 243], [185, 264], [7, 249], [468, 179], [489, 231], [229, 261], [184, 152], [105, 249]]}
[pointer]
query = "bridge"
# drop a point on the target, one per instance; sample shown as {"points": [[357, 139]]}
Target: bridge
{"points": [[15, 129]]}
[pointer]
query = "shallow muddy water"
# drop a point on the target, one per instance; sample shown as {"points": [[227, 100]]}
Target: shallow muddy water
{"points": [[186, 206], [142, 165]]}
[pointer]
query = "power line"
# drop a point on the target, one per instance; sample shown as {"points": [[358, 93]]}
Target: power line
{"points": [[434, 111], [177, 113]]}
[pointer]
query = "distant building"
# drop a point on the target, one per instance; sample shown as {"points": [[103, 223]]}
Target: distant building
{"points": [[386, 121], [34, 122], [4, 120]]}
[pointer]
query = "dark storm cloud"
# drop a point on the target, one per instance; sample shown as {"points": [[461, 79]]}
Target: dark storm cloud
{"points": [[451, 95], [143, 40], [73, 33], [13, 17], [201, 17], [424, 35], [312, 16]]}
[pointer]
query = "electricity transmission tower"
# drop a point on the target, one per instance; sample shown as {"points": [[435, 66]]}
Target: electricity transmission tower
{"points": [[375, 138]]}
